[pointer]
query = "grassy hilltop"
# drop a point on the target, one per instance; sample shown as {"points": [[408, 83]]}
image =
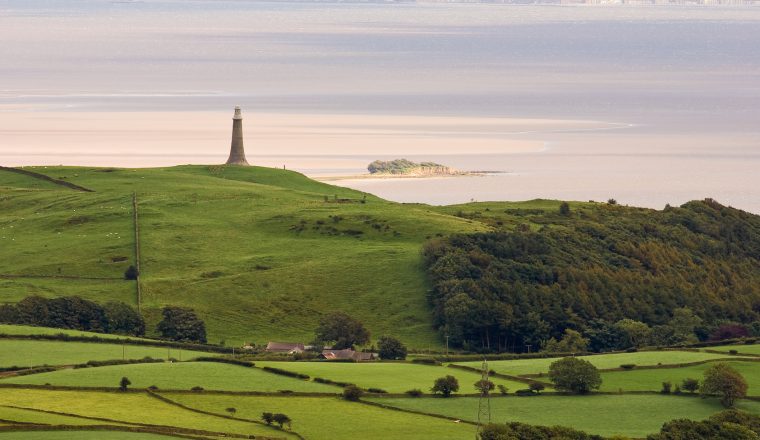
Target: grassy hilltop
{"points": [[260, 253]]}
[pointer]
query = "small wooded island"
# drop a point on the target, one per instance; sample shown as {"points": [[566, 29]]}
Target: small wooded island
{"points": [[404, 167]]}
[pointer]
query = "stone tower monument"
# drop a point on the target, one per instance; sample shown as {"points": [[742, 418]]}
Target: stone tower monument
{"points": [[237, 153]]}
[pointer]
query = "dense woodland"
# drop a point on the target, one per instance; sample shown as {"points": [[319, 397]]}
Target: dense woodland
{"points": [[681, 274]]}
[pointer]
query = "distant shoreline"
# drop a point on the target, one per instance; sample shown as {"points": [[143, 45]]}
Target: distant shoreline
{"points": [[388, 176]]}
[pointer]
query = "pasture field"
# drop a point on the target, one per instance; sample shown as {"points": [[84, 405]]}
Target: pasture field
{"points": [[607, 415], [24, 352], [391, 377], [129, 408], [740, 348], [23, 330], [333, 418], [240, 231], [651, 380], [177, 376], [520, 367], [37, 417]]}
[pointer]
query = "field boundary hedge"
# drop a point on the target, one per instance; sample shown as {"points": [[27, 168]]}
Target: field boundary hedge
{"points": [[416, 412], [24, 427], [118, 341], [522, 379], [662, 367], [46, 178]]}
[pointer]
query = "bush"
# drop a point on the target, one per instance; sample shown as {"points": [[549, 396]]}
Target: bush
{"points": [[376, 391], [131, 273], [281, 419], [267, 417], [502, 389], [628, 366], [666, 387], [414, 393], [426, 361], [733, 352], [724, 381], [352, 393], [690, 385], [445, 385], [196, 388], [525, 392]]}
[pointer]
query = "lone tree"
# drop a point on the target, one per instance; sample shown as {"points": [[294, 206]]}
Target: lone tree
{"points": [[564, 209], [391, 348], [342, 331], [445, 386], [574, 375], [281, 419], [484, 386], [722, 380], [232, 411], [537, 387], [124, 383], [182, 324]]}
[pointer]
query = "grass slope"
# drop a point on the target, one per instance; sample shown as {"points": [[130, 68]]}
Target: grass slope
{"points": [[651, 380], [335, 419], [177, 376], [629, 415], [83, 435], [131, 408], [391, 377], [753, 349], [24, 330], [22, 353], [260, 253], [520, 367]]}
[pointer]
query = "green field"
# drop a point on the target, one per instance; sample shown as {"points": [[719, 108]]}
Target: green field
{"points": [[335, 419], [651, 380], [30, 416], [129, 408], [178, 376], [391, 377], [603, 361], [6, 329], [630, 415], [23, 352], [242, 232]]}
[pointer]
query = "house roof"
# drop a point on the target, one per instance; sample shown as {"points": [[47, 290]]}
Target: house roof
{"points": [[347, 354], [284, 346]]}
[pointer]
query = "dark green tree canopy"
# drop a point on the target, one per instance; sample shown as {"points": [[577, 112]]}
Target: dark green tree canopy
{"points": [[672, 270], [445, 385], [182, 324], [574, 375], [342, 331], [391, 348]]}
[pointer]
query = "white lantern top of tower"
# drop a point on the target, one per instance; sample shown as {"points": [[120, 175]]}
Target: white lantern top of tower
{"points": [[237, 113]]}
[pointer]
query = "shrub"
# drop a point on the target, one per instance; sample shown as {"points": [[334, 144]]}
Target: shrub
{"points": [[376, 391], [267, 417], [414, 393], [231, 410], [525, 392], [690, 385], [484, 386], [426, 361], [502, 389], [196, 388], [352, 393], [628, 366], [445, 385], [131, 273], [733, 352], [666, 386], [286, 373], [281, 419]]}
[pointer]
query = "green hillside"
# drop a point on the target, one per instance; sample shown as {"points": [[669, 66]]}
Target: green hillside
{"points": [[260, 253]]}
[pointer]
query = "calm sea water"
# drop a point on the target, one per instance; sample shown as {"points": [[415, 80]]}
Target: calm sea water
{"points": [[648, 105]]}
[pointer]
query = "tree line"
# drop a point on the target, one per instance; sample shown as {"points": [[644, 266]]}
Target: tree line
{"points": [[687, 274], [75, 313]]}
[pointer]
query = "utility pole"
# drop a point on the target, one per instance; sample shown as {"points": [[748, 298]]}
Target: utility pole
{"points": [[484, 404]]}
